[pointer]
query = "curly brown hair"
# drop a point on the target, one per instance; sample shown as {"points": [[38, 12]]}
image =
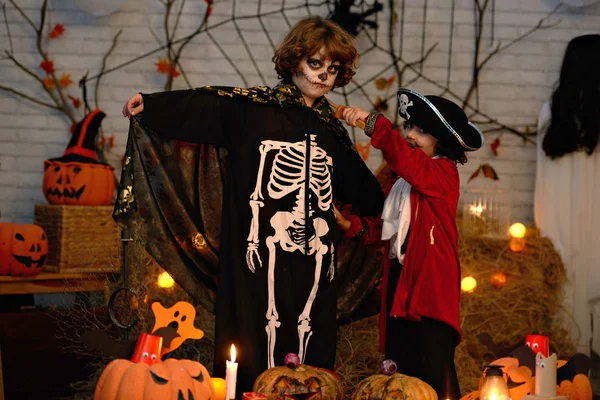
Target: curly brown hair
{"points": [[309, 36]]}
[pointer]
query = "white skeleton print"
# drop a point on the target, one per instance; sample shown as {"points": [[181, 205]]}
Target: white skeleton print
{"points": [[288, 176]]}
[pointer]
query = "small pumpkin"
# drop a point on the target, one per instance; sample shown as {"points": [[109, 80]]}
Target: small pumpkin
{"points": [[579, 388], [299, 381], [23, 249], [78, 178], [393, 385], [169, 380]]}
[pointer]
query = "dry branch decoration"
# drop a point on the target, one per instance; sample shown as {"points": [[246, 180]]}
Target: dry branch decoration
{"points": [[169, 65], [54, 88]]}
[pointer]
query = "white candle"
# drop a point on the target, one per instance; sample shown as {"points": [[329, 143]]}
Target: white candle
{"points": [[231, 376]]}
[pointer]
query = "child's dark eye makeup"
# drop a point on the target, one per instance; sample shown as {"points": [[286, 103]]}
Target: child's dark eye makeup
{"points": [[315, 64]]}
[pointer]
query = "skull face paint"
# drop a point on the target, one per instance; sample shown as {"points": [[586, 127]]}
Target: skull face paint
{"points": [[316, 76]]}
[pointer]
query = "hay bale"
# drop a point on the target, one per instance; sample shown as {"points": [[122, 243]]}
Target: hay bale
{"points": [[529, 302]]}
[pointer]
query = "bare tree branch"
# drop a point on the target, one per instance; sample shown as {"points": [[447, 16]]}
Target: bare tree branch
{"points": [[7, 28], [30, 98], [104, 59]]}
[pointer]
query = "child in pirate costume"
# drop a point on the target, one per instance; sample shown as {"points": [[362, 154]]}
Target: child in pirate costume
{"points": [[288, 157], [420, 290]]}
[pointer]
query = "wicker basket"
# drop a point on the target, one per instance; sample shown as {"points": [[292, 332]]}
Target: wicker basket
{"points": [[80, 238]]}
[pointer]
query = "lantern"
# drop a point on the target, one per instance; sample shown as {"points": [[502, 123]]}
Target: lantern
{"points": [[494, 387], [23, 249]]}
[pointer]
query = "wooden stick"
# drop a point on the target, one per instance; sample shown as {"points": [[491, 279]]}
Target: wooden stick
{"points": [[338, 110]]}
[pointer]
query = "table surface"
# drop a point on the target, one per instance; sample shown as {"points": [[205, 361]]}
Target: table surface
{"points": [[47, 282]]}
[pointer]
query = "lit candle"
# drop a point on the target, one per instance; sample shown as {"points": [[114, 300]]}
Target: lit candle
{"points": [[231, 376]]}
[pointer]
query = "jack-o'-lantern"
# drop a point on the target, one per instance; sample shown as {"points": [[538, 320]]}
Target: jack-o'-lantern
{"points": [[299, 381], [23, 249], [78, 178], [169, 380], [392, 385]]}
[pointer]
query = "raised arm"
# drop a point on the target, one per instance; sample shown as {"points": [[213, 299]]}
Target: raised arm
{"points": [[432, 177], [194, 115]]}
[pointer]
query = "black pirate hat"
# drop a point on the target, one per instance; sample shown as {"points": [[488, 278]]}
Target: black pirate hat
{"points": [[82, 146], [441, 118]]}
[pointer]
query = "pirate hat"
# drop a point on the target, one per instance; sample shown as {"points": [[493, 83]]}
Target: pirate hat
{"points": [[82, 146], [441, 118]]}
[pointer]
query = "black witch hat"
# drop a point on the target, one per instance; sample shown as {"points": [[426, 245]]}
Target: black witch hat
{"points": [[82, 146]]}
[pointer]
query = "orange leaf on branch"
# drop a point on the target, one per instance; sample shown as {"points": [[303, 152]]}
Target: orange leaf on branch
{"points": [[489, 172], [381, 105], [494, 146], [65, 80], [163, 66], [391, 79], [174, 73], [57, 31], [48, 66], [381, 83], [48, 82], [76, 102]]}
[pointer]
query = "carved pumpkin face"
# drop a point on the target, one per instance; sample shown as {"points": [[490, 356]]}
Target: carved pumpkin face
{"points": [[395, 386], [78, 183], [303, 382], [23, 249], [168, 380]]}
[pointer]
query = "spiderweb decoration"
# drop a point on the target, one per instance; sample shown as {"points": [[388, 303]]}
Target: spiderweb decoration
{"points": [[393, 39]]}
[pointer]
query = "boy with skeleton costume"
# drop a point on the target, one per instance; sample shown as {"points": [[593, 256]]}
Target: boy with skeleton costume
{"points": [[288, 158]]}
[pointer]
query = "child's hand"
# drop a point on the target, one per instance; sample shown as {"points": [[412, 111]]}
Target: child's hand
{"points": [[342, 222], [134, 105], [353, 114]]}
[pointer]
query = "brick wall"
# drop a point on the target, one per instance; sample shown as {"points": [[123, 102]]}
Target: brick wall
{"points": [[513, 86]]}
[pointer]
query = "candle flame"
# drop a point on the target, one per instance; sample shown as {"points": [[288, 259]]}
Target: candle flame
{"points": [[232, 353]]}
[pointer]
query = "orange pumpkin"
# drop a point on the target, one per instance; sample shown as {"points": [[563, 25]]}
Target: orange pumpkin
{"points": [[395, 386], [23, 249], [578, 389], [297, 382], [78, 178], [78, 183], [168, 380]]}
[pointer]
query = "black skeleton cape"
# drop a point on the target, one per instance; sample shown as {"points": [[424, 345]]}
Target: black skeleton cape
{"points": [[173, 194]]}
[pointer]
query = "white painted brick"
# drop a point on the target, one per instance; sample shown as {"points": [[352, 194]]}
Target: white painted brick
{"points": [[513, 85]]}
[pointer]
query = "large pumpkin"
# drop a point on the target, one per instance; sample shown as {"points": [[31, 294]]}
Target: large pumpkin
{"points": [[299, 382], [23, 249], [169, 380], [395, 386], [78, 183], [78, 178]]}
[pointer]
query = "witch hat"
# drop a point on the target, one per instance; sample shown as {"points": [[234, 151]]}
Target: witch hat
{"points": [[82, 146]]}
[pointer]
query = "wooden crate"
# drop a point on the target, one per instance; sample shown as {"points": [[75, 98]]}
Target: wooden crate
{"points": [[80, 238]]}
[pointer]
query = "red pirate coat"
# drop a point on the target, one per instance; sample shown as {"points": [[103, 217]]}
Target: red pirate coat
{"points": [[429, 285]]}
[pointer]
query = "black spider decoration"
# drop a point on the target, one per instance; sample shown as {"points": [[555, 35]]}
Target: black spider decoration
{"points": [[350, 21]]}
